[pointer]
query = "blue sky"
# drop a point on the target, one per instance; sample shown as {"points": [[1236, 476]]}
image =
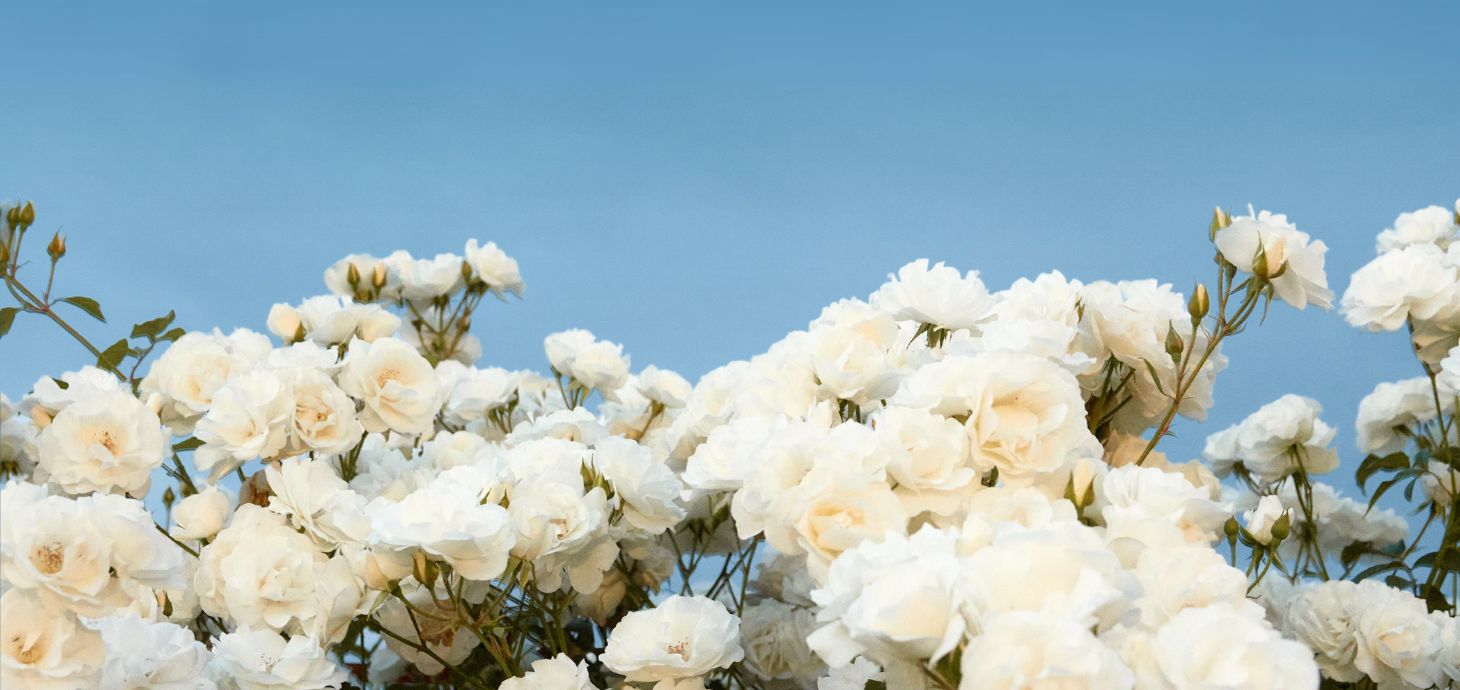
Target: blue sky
{"points": [[694, 180]]}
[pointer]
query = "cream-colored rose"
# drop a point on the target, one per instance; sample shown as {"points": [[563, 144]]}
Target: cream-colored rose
{"points": [[159, 656], [249, 418], [1027, 649], [1303, 281], [682, 637], [936, 296], [1396, 642], [194, 367], [44, 647], [264, 660], [108, 442], [557, 673], [773, 635], [201, 515], [648, 491], [397, 385], [446, 521], [493, 267]]}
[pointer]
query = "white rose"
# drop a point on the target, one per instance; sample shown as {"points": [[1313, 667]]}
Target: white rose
{"points": [[201, 515], [397, 385], [727, 456], [160, 656], [323, 417], [1267, 440], [452, 449], [648, 490], [1219, 646], [1261, 519], [80, 553], [108, 442], [562, 529], [426, 279], [315, 500], [1395, 405], [664, 387], [1181, 577], [495, 268], [1415, 282], [285, 322], [557, 673], [45, 648], [249, 418], [259, 572], [1033, 650], [1134, 492], [849, 346], [894, 600], [1432, 225], [1322, 617], [936, 296], [1396, 642], [682, 637], [1449, 659], [476, 392], [1303, 282], [929, 453], [1063, 566], [773, 635], [263, 660], [447, 522], [832, 512], [1440, 482], [47, 397], [194, 367]]}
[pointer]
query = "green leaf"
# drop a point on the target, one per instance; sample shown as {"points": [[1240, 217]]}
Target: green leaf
{"points": [[1381, 568], [1435, 599], [173, 334], [150, 329], [1374, 463], [1351, 553], [1380, 492], [87, 305], [1450, 561], [112, 356], [1154, 378], [60, 384], [1398, 582], [186, 445], [7, 317]]}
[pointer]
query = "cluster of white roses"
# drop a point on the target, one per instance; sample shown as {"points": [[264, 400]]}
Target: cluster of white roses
{"points": [[939, 487]]}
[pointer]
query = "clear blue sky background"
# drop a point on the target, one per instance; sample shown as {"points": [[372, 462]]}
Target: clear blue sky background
{"points": [[696, 179]]}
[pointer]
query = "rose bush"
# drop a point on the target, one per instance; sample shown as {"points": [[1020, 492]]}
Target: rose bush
{"points": [[941, 487]]}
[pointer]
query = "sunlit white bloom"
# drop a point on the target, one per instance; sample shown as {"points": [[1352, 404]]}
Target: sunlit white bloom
{"points": [[248, 659], [850, 346], [330, 320], [728, 455], [384, 471], [936, 296], [159, 656], [397, 385], [1275, 441], [475, 392], [1395, 406], [929, 455], [323, 416], [1220, 646], [853, 676], [1061, 568], [1134, 492], [893, 600], [1414, 282], [249, 418], [201, 515], [78, 554], [682, 637], [564, 530], [648, 490], [1286, 249], [19, 452], [108, 441], [1034, 650], [830, 512], [557, 673], [45, 648], [1396, 641], [596, 364], [194, 367], [495, 268], [1177, 578], [1441, 482], [426, 279], [1431, 225], [664, 387], [446, 521], [259, 572], [315, 500]]}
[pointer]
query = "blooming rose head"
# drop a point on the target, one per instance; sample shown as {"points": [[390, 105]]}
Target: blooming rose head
{"points": [[493, 267], [682, 637], [108, 442], [397, 385]]}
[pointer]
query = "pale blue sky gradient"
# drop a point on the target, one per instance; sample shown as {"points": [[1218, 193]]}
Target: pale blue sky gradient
{"points": [[695, 180]]}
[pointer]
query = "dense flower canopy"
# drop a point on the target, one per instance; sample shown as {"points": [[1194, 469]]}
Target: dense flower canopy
{"points": [[939, 487]]}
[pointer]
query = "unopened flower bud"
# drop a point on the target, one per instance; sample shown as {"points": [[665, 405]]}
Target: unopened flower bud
{"points": [[1199, 303], [424, 570], [1231, 528], [168, 497], [39, 418], [1174, 345], [377, 277], [57, 247], [1220, 220], [27, 214], [154, 402], [352, 276], [465, 323], [1280, 528], [12, 216], [466, 271]]}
